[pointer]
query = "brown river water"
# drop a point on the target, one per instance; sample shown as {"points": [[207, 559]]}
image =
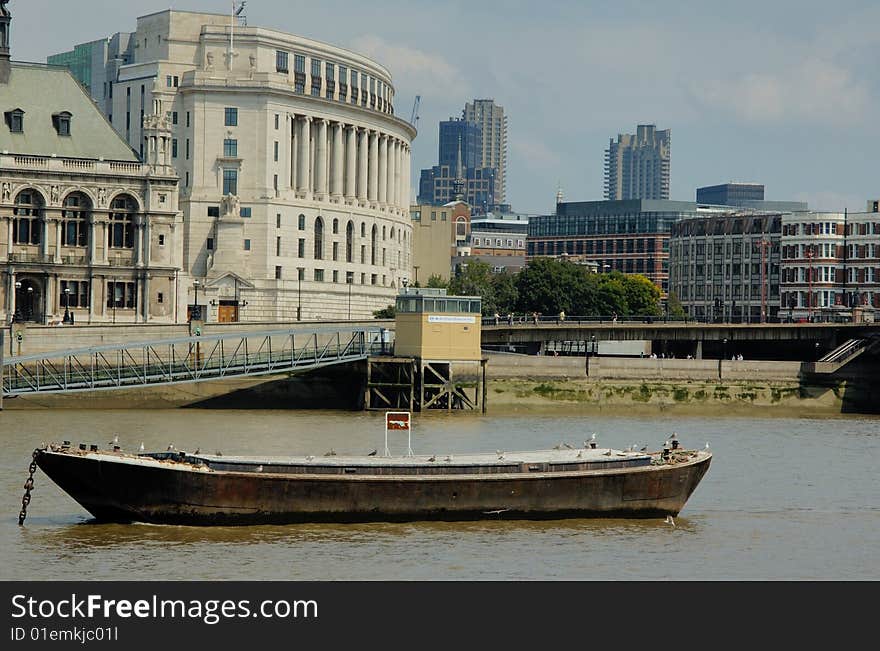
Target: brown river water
{"points": [[785, 498]]}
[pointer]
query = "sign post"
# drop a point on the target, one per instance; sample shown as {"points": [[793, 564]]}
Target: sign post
{"points": [[399, 421]]}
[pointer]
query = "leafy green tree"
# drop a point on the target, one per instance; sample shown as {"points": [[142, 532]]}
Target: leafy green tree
{"points": [[474, 279], [674, 307], [437, 282], [642, 296], [504, 293], [547, 285], [385, 313]]}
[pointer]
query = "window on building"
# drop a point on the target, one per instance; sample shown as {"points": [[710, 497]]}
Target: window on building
{"points": [[335, 276], [301, 222], [28, 218], [231, 117], [278, 220], [213, 211], [160, 297], [276, 151], [230, 181], [15, 120], [301, 248], [174, 148], [61, 122], [187, 119], [120, 230], [349, 242], [161, 239], [247, 245], [374, 243], [230, 148], [75, 219], [245, 212], [278, 247], [121, 295], [281, 62], [363, 254], [277, 121], [209, 244], [277, 273], [173, 117], [319, 275], [319, 239], [187, 149], [335, 251]]}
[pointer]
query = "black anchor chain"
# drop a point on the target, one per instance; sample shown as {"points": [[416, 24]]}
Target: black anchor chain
{"points": [[28, 487]]}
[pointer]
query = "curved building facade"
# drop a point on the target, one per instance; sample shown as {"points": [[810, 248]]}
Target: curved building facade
{"points": [[294, 170]]}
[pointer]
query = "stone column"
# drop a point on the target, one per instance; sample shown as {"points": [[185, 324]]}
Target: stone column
{"points": [[10, 296], [146, 300], [303, 179], [351, 163], [407, 175], [139, 241], [362, 165], [58, 230], [106, 246], [392, 174], [145, 259], [321, 160], [336, 165], [373, 184], [292, 180], [92, 232], [383, 170], [10, 226]]}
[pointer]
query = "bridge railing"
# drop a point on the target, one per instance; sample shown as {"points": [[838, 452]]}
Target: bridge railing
{"points": [[187, 359]]}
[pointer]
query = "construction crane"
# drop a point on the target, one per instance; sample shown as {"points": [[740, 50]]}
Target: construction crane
{"points": [[415, 112]]}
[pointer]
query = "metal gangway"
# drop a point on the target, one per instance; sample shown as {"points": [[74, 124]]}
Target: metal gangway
{"points": [[187, 359]]}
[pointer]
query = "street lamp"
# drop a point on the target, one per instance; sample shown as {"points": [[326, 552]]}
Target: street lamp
{"points": [[196, 312], [299, 291], [66, 305]]}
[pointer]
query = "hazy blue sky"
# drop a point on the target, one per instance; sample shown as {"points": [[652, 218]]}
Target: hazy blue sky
{"points": [[782, 93]]}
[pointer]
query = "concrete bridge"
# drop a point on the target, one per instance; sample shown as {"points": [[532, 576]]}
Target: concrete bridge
{"points": [[796, 341]]}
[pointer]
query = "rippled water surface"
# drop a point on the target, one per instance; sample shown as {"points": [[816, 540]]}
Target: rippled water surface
{"points": [[783, 499]]}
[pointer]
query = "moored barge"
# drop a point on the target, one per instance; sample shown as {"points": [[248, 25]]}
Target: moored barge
{"points": [[176, 487]]}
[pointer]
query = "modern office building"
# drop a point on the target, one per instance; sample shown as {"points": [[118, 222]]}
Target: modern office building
{"points": [[493, 126], [88, 233], [96, 65], [730, 194], [441, 184], [460, 138], [637, 166], [627, 236], [294, 167], [830, 264], [725, 266]]}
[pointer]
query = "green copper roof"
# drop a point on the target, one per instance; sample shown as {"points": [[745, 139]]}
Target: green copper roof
{"points": [[43, 91]]}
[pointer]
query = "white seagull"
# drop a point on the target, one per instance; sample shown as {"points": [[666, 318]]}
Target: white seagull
{"points": [[141, 447]]}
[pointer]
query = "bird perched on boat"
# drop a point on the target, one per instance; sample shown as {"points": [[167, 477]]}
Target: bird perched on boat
{"points": [[643, 448], [310, 457], [500, 453], [566, 445], [198, 450], [670, 520], [331, 453], [170, 447], [260, 468], [449, 458], [115, 440], [219, 454], [373, 453], [432, 458], [707, 445], [591, 443], [141, 447], [607, 454]]}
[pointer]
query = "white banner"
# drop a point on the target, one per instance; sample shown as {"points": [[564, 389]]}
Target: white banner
{"points": [[432, 318]]}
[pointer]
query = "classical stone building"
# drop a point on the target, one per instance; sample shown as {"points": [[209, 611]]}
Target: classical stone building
{"points": [[294, 168], [86, 229]]}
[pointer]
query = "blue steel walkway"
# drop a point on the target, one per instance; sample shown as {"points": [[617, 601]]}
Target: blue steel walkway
{"points": [[189, 359]]}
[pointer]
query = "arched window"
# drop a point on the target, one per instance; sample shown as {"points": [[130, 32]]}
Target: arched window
{"points": [[349, 242], [75, 219], [461, 227], [28, 221], [319, 239], [120, 231], [383, 234], [335, 226], [392, 233], [363, 229], [374, 244]]}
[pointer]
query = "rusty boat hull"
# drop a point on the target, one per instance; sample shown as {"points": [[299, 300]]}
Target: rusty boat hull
{"points": [[182, 489]]}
